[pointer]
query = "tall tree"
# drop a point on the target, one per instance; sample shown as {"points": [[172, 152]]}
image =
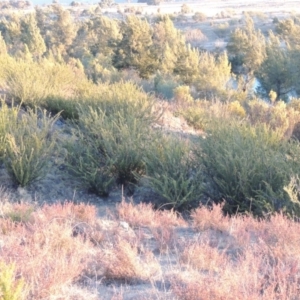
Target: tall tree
{"points": [[63, 29], [135, 48], [31, 36], [246, 47], [187, 64], [169, 44], [289, 31], [10, 28], [276, 71], [214, 74]]}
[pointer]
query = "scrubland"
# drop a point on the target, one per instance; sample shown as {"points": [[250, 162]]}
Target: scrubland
{"points": [[134, 164]]}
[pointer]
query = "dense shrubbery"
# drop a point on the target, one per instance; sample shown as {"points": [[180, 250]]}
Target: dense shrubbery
{"points": [[112, 137], [248, 167], [32, 82], [95, 73], [173, 173]]}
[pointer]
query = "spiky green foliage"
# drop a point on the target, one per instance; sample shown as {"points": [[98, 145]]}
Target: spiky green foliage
{"points": [[88, 164], [111, 139], [172, 172], [3, 48], [10, 287], [29, 145], [8, 121], [248, 167]]}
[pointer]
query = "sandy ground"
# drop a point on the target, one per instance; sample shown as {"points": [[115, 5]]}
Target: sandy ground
{"points": [[211, 8]]}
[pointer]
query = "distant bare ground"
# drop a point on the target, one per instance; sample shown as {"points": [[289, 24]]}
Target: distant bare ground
{"points": [[212, 7]]}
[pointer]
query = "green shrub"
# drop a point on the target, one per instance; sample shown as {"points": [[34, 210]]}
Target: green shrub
{"points": [[123, 97], [10, 287], [88, 164], [195, 116], [248, 167], [278, 116], [31, 82], [164, 86], [29, 145], [222, 29], [172, 173], [109, 146], [8, 121], [67, 107], [201, 113], [182, 95]]}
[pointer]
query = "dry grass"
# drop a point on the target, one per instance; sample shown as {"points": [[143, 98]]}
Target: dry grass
{"points": [[122, 260], [205, 218], [63, 251], [144, 215]]}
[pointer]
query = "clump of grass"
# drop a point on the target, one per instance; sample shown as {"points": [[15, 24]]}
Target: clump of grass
{"points": [[43, 251], [29, 146], [21, 212], [172, 173], [205, 218], [123, 262], [143, 214], [202, 257]]}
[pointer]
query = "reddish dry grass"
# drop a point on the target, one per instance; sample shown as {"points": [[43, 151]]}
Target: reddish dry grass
{"points": [[205, 218], [144, 215], [122, 260], [54, 247], [161, 223]]}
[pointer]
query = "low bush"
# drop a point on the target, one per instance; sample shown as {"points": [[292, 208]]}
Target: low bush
{"points": [[110, 145], [172, 173], [123, 97], [248, 167], [222, 29], [182, 95], [195, 116], [202, 113], [31, 82], [28, 146], [164, 86], [278, 116]]}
